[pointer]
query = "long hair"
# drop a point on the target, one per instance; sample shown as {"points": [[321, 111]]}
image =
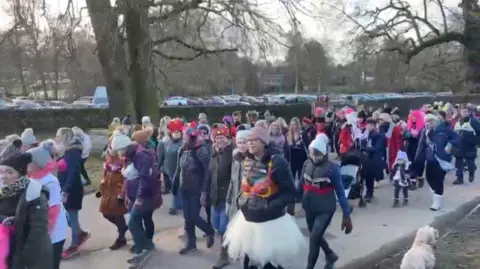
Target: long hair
{"points": [[419, 120], [292, 134], [65, 138]]}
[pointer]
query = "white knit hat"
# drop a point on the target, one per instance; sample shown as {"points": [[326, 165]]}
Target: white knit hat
{"points": [[242, 136], [385, 117], [120, 142], [28, 138], [40, 156], [430, 116], [146, 120], [320, 143]]}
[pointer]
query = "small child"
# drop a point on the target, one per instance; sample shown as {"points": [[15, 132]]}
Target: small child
{"points": [[401, 178]]}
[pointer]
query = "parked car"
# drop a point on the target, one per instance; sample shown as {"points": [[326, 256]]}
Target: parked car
{"points": [[78, 106], [85, 99], [251, 100], [57, 104], [176, 101], [29, 105], [217, 100], [275, 99]]}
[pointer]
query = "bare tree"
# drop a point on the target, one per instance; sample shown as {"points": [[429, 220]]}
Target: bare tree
{"points": [[398, 18], [240, 19]]}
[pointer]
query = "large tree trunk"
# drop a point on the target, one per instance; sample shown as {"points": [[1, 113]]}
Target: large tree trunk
{"points": [[111, 54], [472, 45], [140, 49]]}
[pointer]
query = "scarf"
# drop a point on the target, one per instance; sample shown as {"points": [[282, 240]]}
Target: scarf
{"points": [[15, 189]]}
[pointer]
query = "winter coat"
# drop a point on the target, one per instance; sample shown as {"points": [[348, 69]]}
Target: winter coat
{"points": [[436, 142], [221, 172], [267, 187], [168, 156], [469, 130], [193, 170], [142, 181], [70, 178], [112, 187], [234, 191], [396, 144], [32, 243]]}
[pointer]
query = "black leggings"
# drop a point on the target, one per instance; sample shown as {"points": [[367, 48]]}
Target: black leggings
{"points": [[149, 225], [435, 177], [119, 222], [317, 225], [246, 265], [208, 210], [57, 253], [83, 171]]}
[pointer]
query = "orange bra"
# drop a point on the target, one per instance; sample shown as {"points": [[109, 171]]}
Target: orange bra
{"points": [[263, 189]]}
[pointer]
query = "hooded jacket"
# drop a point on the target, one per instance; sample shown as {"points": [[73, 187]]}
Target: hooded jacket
{"points": [[436, 142], [32, 243]]}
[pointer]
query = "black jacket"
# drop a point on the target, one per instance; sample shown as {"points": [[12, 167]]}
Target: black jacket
{"points": [[258, 209]]}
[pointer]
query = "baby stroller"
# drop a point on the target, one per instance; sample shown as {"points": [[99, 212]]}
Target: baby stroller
{"points": [[351, 170]]}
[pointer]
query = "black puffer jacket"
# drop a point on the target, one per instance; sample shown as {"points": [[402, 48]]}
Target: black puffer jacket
{"points": [[263, 209], [32, 244]]}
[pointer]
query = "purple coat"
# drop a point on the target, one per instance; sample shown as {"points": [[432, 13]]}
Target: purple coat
{"points": [[146, 186]]}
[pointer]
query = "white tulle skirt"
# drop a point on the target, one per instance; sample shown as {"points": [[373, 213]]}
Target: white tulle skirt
{"points": [[278, 241]]}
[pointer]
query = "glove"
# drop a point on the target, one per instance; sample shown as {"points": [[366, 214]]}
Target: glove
{"points": [[203, 199], [347, 224], [98, 194]]}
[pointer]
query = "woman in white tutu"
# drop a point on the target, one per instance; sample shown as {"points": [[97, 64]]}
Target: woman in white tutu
{"points": [[261, 232]]}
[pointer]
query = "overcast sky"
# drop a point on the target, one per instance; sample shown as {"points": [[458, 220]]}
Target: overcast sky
{"points": [[325, 27]]}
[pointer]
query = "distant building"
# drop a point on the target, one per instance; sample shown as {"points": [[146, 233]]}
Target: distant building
{"points": [[269, 82]]}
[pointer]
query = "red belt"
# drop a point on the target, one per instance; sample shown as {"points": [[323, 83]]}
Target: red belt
{"points": [[322, 191]]}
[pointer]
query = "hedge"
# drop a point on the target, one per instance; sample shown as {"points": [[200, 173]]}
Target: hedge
{"points": [[48, 120]]}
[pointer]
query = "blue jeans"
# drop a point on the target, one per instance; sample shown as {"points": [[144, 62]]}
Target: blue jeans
{"points": [[460, 163], [219, 218], [177, 201], [140, 232], [74, 224], [191, 213]]}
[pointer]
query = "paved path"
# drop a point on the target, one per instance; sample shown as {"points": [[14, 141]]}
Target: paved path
{"points": [[374, 226]]}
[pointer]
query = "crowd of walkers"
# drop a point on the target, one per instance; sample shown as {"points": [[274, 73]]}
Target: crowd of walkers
{"points": [[248, 175]]}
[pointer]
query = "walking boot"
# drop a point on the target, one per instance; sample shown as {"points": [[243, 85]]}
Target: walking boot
{"points": [[396, 203], [471, 178], [119, 243], [222, 259], [437, 202], [459, 181], [330, 260], [405, 201], [188, 248]]}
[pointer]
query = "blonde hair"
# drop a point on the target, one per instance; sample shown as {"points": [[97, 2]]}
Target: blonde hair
{"points": [[292, 134], [261, 123], [77, 131], [65, 136]]}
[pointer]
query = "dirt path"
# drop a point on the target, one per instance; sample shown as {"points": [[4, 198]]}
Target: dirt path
{"points": [[459, 248]]}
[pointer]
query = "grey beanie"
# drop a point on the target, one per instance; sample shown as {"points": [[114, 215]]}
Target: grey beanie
{"points": [[28, 138], [40, 156]]}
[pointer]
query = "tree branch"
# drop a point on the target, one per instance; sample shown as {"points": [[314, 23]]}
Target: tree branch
{"points": [[178, 8]]}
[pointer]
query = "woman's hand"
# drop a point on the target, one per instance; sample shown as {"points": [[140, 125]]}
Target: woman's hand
{"points": [[64, 197], [347, 224]]}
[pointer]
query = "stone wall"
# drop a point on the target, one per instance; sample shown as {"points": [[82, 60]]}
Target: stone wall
{"points": [[14, 121]]}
